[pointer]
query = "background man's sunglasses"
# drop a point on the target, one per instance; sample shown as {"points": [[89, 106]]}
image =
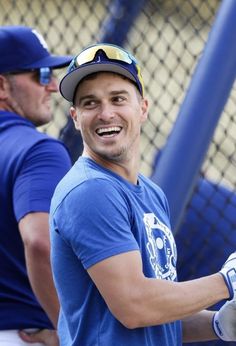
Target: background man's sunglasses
{"points": [[44, 74]]}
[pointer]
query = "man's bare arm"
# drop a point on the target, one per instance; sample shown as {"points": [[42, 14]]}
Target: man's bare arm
{"points": [[34, 230], [198, 327], [137, 301]]}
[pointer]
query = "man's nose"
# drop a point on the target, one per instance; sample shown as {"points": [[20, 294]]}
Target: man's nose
{"points": [[106, 111], [53, 85]]}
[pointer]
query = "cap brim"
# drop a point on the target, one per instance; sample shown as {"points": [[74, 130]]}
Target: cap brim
{"points": [[72, 79], [51, 61]]}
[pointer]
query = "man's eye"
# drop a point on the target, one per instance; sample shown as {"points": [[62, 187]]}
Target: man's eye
{"points": [[118, 99], [90, 103]]}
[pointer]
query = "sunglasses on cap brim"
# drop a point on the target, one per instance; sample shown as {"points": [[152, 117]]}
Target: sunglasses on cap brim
{"points": [[112, 52]]}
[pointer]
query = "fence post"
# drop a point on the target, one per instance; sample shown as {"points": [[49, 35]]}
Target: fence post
{"points": [[120, 20], [182, 157]]}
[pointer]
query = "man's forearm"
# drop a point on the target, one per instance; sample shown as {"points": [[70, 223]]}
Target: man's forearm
{"points": [[199, 327], [34, 230], [40, 276]]}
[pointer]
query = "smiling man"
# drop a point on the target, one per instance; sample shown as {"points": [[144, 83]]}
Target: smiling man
{"points": [[113, 252]]}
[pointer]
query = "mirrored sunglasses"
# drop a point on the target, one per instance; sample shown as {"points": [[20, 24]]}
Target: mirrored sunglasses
{"points": [[44, 74], [112, 52]]}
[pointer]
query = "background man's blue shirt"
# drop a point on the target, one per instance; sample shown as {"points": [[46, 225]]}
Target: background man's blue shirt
{"points": [[31, 164]]}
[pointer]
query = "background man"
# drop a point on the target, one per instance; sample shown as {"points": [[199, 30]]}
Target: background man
{"points": [[31, 164]]}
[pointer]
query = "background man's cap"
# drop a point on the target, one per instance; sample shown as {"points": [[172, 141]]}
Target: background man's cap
{"points": [[101, 57], [23, 48]]}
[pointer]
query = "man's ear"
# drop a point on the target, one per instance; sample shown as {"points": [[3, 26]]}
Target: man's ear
{"points": [[144, 107], [4, 87], [75, 117]]}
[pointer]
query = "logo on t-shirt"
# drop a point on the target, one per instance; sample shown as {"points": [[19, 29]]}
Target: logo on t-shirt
{"points": [[161, 247]]}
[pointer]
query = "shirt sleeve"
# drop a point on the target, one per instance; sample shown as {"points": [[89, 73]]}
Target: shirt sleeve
{"points": [[96, 220], [44, 166]]}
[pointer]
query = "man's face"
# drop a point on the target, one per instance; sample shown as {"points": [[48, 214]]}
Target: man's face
{"points": [[109, 112], [29, 99]]}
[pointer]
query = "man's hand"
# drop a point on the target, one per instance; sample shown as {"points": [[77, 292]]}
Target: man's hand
{"points": [[45, 336], [224, 322], [229, 274]]}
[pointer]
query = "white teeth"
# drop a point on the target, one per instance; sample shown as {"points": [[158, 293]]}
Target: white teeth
{"points": [[109, 129]]}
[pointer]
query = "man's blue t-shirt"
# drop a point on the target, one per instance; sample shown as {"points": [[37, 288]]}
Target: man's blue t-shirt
{"points": [[31, 165], [96, 214]]}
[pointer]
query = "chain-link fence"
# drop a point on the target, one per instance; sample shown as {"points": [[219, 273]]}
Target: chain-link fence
{"points": [[167, 37]]}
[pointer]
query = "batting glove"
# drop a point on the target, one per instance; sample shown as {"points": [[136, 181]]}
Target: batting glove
{"points": [[224, 322], [229, 274]]}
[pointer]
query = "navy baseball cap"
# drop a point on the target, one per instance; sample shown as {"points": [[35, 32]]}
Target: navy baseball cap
{"points": [[24, 48], [101, 57]]}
